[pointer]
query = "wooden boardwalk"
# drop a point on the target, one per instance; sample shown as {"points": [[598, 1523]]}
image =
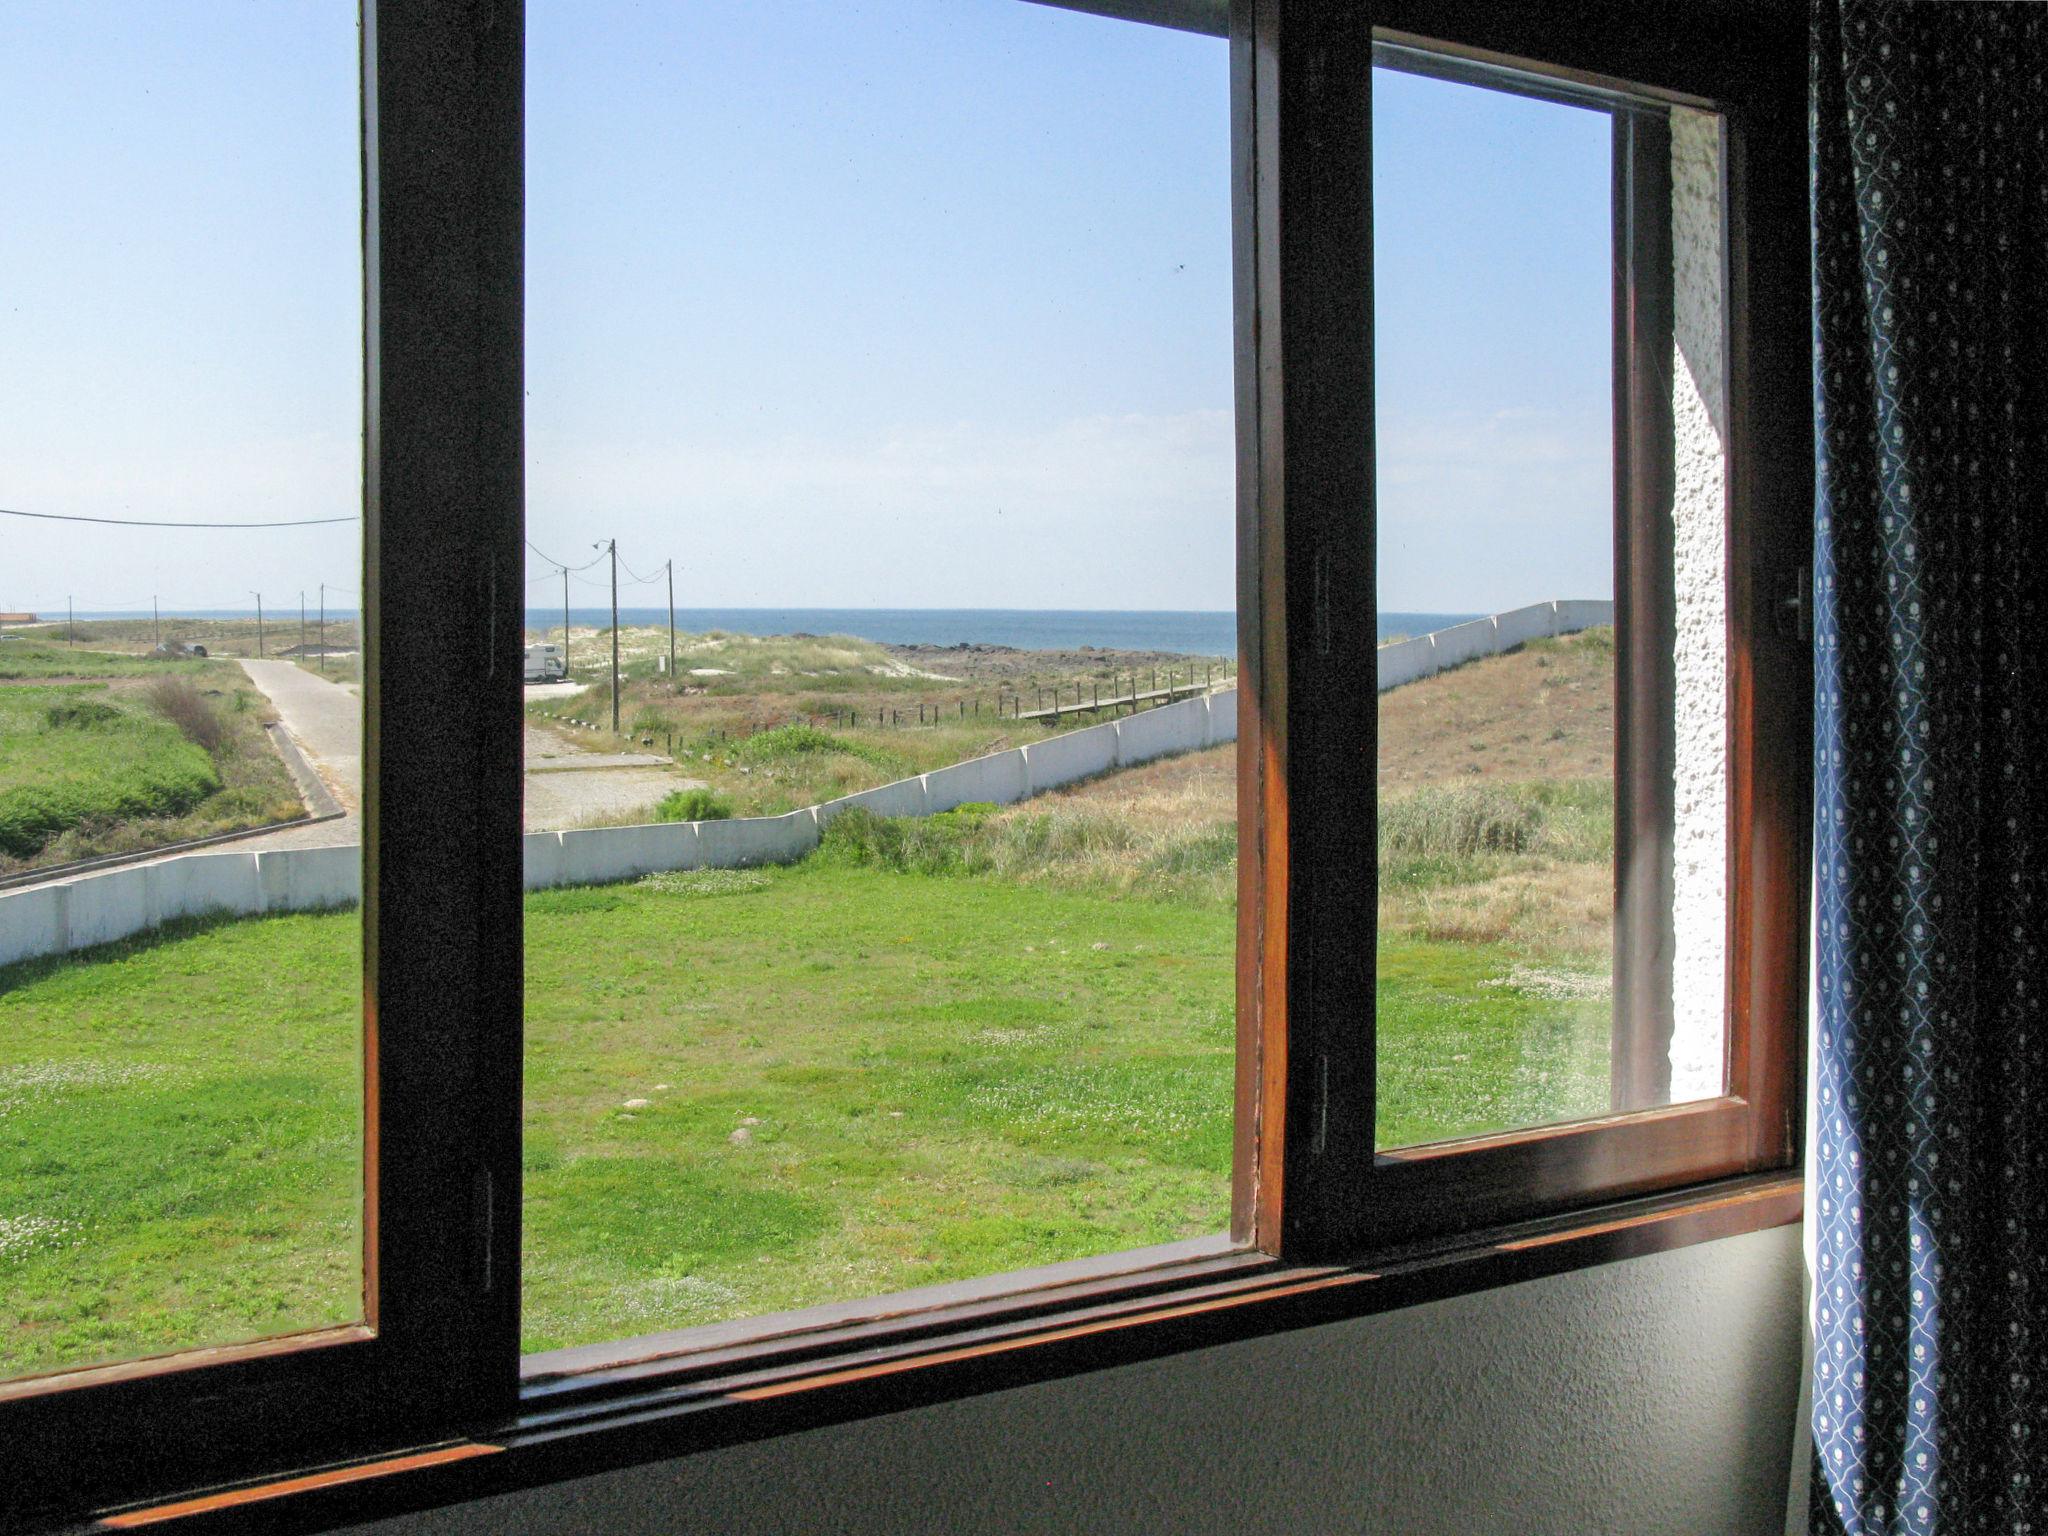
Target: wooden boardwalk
{"points": [[1086, 703]]}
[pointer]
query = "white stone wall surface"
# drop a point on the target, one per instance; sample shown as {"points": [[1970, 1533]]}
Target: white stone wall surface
{"points": [[1700, 524]]}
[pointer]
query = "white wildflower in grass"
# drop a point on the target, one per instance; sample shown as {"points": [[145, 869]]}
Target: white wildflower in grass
{"points": [[1557, 984], [1172, 1102], [46, 1081], [1035, 1034], [674, 1299], [21, 1236], [704, 882]]}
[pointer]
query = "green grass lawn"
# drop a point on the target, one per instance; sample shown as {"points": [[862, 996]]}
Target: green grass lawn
{"points": [[931, 1079], [746, 1091], [180, 1140], [1472, 1040]]}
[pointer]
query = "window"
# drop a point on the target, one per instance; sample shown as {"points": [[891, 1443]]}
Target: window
{"points": [[1348, 1178], [919, 390], [181, 1109], [1316, 1183], [408, 1341], [1553, 816]]}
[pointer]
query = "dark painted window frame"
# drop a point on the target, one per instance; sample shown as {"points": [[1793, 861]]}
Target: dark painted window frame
{"points": [[428, 1406]]}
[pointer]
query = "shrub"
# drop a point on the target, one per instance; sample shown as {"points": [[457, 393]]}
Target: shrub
{"points": [[81, 715], [693, 805], [164, 783], [1435, 833], [1577, 818], [1208, 852], [910, 845], [190, 711], [797, 740]]}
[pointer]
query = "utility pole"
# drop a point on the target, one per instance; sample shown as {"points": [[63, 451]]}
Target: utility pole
{"points": [[259, 621], [70, 626], [613, 546], [565, 623], [302, 626], [323, 626], [156, 628], [671, 626]]}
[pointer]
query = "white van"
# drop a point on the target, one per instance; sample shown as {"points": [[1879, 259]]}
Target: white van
{"points": [[546, 664]]}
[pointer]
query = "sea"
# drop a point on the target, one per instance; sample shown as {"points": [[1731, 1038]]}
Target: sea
{"points": [[1189, 633]]}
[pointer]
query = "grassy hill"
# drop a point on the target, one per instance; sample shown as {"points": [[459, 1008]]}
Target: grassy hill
{"points": [[104, 753]]}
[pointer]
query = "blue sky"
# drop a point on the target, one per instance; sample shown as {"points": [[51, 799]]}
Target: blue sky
{"points": [[903, 304]]}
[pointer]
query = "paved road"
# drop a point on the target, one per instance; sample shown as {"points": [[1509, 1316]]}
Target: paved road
{"points": [[567, 786], [564, 786], [325, 719]]}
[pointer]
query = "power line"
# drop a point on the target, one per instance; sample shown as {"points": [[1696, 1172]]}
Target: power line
{"points": [[645, 581], [140, 522], [557, 564]]}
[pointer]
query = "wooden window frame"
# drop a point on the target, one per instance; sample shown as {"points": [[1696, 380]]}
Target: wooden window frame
{"points": [[426, 1404]]}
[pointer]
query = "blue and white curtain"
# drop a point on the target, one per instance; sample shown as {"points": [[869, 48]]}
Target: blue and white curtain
{"points": [[1930, 251]]}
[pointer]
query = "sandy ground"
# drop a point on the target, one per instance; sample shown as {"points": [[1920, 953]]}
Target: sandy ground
{"points": [[566, 786]]}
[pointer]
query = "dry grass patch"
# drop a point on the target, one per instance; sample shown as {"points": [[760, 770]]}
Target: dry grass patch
{"points": [[1559, 909], [1545, 711]]}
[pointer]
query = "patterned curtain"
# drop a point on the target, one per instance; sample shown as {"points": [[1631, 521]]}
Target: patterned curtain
{"points": [[1930, 250]]}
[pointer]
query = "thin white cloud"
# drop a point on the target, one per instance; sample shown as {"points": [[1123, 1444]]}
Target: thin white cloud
{"points": [[1482, 511], [1098, 511]]}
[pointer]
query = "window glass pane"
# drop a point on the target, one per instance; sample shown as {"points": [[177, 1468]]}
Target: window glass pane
{"points": [[181, 1091], [1552, 813], [901, 335]]}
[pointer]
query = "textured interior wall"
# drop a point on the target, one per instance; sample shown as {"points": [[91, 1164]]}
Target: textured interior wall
{"points": [[1652, 1396], [1700, 516]]}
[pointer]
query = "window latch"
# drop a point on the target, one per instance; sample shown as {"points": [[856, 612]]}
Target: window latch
{"points": [[487, 600], [486, 1211], [1794, 607]]}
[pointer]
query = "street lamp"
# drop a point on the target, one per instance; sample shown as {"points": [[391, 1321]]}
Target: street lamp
{"points": [[613, 545]]}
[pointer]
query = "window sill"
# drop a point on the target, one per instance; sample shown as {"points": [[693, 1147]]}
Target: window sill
{"points": [[637, 1406]]}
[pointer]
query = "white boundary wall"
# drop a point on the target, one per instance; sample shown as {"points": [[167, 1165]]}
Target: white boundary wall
{"points": [[114, 904], [1699, 514], [98, 908], [1407, 660]]}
